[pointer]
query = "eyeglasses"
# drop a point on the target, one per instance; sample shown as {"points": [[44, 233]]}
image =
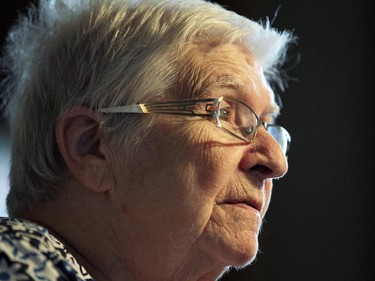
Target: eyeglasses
{"points": [[231, 116]]}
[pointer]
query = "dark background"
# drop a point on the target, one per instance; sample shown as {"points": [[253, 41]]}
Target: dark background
{"points": [[320, 223]]}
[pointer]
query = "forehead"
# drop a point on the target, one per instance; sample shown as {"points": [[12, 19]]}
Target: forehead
{"points": [[227, 69]]}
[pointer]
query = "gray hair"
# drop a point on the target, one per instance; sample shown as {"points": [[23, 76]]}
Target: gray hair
{"points": [[96, 53]]}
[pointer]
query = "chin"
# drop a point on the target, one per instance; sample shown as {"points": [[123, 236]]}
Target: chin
{"points": [[235, 245], [243, 260], [244, 253]]}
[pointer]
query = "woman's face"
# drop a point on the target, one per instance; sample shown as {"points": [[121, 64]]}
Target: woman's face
{"points": [[194, 194]]}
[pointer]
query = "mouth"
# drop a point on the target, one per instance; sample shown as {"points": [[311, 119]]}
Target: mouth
{"points": [[245, 203]]}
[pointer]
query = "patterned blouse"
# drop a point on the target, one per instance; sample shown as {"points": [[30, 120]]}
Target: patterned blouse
{"points": [[29, 252]]}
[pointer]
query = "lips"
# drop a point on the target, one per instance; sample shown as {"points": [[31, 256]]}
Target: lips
{"points": [[245, 202]]}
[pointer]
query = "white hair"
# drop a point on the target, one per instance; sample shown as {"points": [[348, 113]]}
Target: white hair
{"points": [[104, 53]]}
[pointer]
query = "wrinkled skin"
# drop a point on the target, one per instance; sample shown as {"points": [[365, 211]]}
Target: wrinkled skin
{"points": [[192, 201]]}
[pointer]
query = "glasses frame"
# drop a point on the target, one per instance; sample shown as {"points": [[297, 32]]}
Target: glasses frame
{"points": [[185, 108]]}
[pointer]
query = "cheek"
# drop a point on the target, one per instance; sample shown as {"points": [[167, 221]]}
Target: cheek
{"points": [[171, 188], [211, 161], [194, 184]]}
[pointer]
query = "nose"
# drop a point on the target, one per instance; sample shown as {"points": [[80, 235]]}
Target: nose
{"points": [[264, 157]]}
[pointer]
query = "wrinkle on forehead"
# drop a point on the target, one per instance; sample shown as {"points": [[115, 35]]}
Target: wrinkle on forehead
{"points": [[222, 65], [223, 81], [210, 67]]}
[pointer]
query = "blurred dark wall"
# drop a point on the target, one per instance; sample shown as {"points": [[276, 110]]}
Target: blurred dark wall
{"points": [[319, 226]]}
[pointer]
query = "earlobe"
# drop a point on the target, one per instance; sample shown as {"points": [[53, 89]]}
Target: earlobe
{"points": [[84, 148]]}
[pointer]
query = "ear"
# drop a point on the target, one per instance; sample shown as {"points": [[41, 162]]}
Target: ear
{"points": [[84, 148]]}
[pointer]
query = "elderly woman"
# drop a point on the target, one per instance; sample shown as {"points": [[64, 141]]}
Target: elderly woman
{"points": [[143, 140]]}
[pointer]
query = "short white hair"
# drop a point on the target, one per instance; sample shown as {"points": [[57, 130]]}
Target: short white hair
{"points": [[104, 53]]}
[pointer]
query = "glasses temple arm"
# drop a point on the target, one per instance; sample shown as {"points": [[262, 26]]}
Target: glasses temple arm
{"points": [[175, 108]]}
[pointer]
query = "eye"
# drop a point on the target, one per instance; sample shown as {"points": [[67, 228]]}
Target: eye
{"points": [[227, 113]]}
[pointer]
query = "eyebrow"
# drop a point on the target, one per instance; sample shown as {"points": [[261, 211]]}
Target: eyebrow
{"points": [[225, 81]]}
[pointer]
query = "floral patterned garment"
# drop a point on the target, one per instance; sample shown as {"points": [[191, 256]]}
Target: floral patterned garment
{"points": [[29, 252]]}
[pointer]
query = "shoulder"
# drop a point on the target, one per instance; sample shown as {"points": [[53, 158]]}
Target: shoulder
{"points": [[29, 252]]}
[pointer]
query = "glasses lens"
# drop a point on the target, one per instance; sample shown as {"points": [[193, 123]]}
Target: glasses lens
{"points": [[237, 118], [281, 136]]}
